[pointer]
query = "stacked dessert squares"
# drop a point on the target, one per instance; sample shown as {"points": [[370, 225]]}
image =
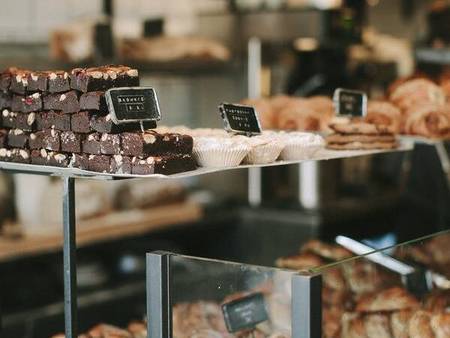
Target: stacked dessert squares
{"points": [[61, 119]]}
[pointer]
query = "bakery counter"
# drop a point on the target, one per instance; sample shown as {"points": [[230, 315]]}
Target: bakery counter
{"points": [[109, 227]]}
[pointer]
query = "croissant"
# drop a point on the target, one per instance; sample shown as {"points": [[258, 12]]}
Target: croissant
{"points": [[264, 110], [428, 120], [415, 92]]}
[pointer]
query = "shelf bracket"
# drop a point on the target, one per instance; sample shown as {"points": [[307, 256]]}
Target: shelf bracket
{"points": [[70, 273]]}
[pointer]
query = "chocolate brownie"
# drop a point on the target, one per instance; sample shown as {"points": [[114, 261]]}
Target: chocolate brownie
{"points": [[66, 102], [94, 101], [106, 144], [110, 144], [165, 165], [48, 139], [19, 81], [20, 155], [81, 122], [17, 138], [58, 81], [92, 144], [15, 155], [53, 119], [5, 100], [142, 144], [80, 161], [5, 78], [103, 78], [99, 163], [104, 124], [27, 104], [26, 122], [37, 82], [5, 155], [3, 138], [121, 164], [152, 143], [177, 143], [44, 157], [71, 142]]}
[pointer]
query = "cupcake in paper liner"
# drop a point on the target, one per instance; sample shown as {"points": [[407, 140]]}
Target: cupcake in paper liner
{"points": [[300, 146], [217, 152], [264, 149]]}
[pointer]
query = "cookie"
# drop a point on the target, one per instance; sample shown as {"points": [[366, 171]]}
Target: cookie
{"points": [[347, 138], [362, 146], [361, 128]]}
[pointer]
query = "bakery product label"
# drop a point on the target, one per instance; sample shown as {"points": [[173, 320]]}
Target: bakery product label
{"points": [[350, 102], [245, 313], [240, 119], [133, 104]]}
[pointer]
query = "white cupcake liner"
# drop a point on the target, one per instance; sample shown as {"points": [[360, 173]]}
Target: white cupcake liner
{"points": [[297, 152], [264, 154], [218, 158]]}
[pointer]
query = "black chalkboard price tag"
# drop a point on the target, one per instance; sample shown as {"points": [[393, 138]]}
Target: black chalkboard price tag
{"points": [[245, 313], [133, 104], [350, 102], [240, 119]]}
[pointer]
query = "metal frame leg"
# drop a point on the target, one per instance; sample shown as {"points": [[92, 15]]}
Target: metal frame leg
{"points": [[159, 304], [70, 269], [306, 305]]}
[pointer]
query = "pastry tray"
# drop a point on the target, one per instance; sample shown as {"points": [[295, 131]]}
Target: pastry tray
{"points": [[323, 154]]}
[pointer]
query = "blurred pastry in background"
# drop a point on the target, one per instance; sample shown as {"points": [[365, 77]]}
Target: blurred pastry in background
{"points": [[171, 49], [385, 114]]}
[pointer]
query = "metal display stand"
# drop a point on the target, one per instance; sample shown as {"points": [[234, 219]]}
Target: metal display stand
{"points": [[308, 288]]}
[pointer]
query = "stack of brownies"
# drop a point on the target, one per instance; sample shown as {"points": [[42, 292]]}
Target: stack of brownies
{"points": [[61, 119]]}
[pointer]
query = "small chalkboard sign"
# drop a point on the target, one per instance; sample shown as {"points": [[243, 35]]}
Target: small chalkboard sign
{"points": [[245, 313], [133, 104], [240, 119], [350, 102]]}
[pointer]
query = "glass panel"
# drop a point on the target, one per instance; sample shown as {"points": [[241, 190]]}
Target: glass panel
{"points": [[258, 299], [372, 295]]}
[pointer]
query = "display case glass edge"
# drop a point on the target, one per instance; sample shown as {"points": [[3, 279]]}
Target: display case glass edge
{"points": [[159, 323]]}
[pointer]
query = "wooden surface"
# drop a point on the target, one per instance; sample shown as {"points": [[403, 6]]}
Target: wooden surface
{"points": [[112, 226]]}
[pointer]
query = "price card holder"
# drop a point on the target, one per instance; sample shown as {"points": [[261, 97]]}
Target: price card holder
{"points": [[240, 119], [133, 104], [245, 313], [350, 102]]}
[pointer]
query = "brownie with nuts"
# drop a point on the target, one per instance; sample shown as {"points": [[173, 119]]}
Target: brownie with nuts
{"points": [[15, 155], [120, 164], [66, 102], [71, 142], [37, 82], [17, 138], [165, 165], [94, 101], [27, 103], [99, 163], [81, 122], [48, 139], [79, 161], [151, 143], [5, 100], [23, 121], [53, 119], [106, 144], [19, 81], [45, 157], [3, 138], [58, 81], [104, 124], [103, 78], [5, 78]]}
